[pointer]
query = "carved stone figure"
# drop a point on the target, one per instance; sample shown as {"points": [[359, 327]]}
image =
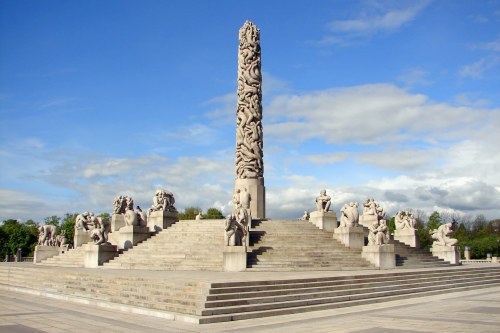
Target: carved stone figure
{"points": [[404, 220], [249, 155], [47, 235], [349, 215], [100, 230], [370, 207], [81, 222], [378, 233], [442, 233], [198, 216], [234, 232], [142, 218], [163, 201], [306, 216], [61, 239], [323, 201]]}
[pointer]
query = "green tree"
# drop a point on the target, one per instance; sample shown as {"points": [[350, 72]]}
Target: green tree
{"points": [[213, 214], [52, 220], [18, 235], [391, 224], [434, 221], [189, 213], [68, 225]]}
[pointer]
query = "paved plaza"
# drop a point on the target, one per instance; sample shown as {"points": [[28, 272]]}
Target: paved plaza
{"points": [[468, 311]]}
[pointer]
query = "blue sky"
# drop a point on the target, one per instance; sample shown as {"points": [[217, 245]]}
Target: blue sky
{"points": [[396, 100]]}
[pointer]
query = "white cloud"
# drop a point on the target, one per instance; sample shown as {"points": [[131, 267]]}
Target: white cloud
{"points": [[390, 19], [491, 46], [361, 114], [373, 19], [414, 77], [477, 69]]}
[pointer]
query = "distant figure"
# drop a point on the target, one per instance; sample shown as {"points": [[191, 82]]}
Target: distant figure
{"points": [[305, 217], [198, 217]]}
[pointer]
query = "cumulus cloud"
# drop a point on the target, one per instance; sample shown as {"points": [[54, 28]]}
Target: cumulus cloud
{"points": [[360, 115]]}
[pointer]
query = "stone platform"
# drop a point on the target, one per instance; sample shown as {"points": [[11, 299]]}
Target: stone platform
{"points": [[210, 297]]}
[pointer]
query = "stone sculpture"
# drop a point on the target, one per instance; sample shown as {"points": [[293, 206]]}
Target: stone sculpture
{"points": [[122, 203], [323, 201], [349, 215], [235, 231], [47, 235], [61, 240], [82, 221], [378, 233], [442, 233], [306, 216], [163, 201], [249, 154], [198, 216], [405, 220], [249, 182], [370, 207], [100, 229]]}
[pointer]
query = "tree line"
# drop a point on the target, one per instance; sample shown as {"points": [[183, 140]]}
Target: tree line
{"points": [[15, 234], [481, 235]]}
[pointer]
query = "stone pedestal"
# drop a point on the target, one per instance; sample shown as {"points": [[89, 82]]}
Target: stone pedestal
{"points": [[81, 237], [467, 253], [96, 255], [324, 220], [352, 237], [43, 252], [367, 220], [447, 253], [382, 256], [117, 222], [257, 190], [235, 258], [129, 236], [160, 220], [407, 236]]}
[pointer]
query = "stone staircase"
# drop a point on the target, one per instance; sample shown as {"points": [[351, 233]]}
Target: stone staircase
{"points": [[256, 299], [186, 245], [410, 257], [70, 258], [295, 245], [222, 297]]}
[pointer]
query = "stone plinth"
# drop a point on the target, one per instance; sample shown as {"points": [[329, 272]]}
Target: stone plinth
{"points": [[407, 236], [43, 252], [96, 255], [324, 220], [447, 253], [367, 220], [160, 220], [257, 191], [352, 237], [467, 253], [117, 222], [382, 256], [235, 258], [130, 235], [81, 237]]}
